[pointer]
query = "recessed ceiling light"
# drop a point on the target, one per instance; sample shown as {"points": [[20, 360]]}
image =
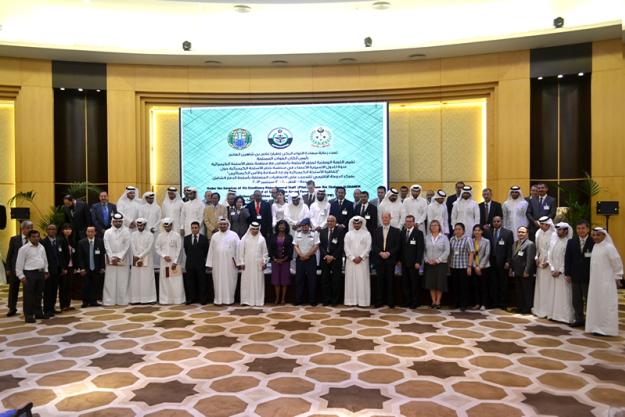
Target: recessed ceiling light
{"points": [[540, 78], [415, 56], [279, 62], [560, 76], [581, 74], [381, 5], [81, 90], [97, 91], [347, 60], [242, 8], [212, 62], [62, 88]]}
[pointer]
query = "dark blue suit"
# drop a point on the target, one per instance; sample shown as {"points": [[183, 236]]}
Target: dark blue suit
{"points": [[51, 285], [343, 212], [100, 219]]}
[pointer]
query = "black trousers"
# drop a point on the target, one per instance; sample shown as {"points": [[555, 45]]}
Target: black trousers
{"points": [[479, 285], [498, 287], [50, 292], [306, 278], [332, 281], [524, 288], [65, 288], [14, 291], [196, 286], [33, 293], [90, 287], [410, 284], [384, 293], [579, 296], [461, 285]]}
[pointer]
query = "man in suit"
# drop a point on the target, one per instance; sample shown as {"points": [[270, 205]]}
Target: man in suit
{"points": [[77, 214], [451, 200], [311, 195], [522, 269], [91, 264], [539, 206], [101, 213], [367, 211], [501, 241], [342, 209], [260, 212], [489, 209], [381, 193], [577, 268], [331, 262], [54, 250], [196, 286], [15, 244], [412, 246], [386, 243]]}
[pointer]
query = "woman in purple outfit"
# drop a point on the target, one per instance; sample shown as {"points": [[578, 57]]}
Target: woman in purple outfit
{"points": [[281, 252]]}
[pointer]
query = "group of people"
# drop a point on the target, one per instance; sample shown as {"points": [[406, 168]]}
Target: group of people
{"points": [[358, 251]]}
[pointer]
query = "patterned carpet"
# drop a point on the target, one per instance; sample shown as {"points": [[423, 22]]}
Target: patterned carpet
{"points": [[179, 361]]}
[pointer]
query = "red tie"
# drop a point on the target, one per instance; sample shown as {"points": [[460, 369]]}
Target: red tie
{"points": [[257, 208]]}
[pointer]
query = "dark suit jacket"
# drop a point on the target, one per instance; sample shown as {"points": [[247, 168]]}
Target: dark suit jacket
{"points": [[273, 247], [83, 254], [308, 200], [67, 254], [265, 213], [79, 217], [372, 212], [3, 217], [410, 253], [393, 244], [53, 254], [450, 205], [535, 210], [576, 264], [524, 263], [329, 247], [196, 255], [337, 211], [97, 219], [14, 246], [495, 210], [500, 254]]}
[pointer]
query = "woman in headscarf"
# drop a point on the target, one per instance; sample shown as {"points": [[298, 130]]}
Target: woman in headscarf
{"points": [[253, 258], [357, 245], [281, 253], [543, 291]]}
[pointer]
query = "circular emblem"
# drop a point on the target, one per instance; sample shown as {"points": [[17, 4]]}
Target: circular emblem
{"points": [[280, 138], [239, 138], [320, 137]]}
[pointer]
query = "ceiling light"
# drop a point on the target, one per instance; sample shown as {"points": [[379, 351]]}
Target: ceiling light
{"points": [[97, 91], [415, 56], [347, 60], [212, 62], [580, 74], [381, 5], [242, 8], [62, 88], [540, 78], [279, 62], [560, 76], [80, 89]]}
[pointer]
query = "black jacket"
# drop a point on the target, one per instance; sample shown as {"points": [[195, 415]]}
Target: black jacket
{"points": [[500, 254], [14, 246], [83, 254], [522, 260], [53, 254], [265, 213], [79, 217], [333, 247], [411, 247], [67, 253], [97, 218], [196, 254], [535, 210], [576, 263], [372, 212], [273, 247], [337, 211], [393, 244], [495, 210]]}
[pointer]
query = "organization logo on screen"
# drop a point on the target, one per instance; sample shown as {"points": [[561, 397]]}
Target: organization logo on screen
{"points": [[280, 138], [239, 138], [320, 137]]}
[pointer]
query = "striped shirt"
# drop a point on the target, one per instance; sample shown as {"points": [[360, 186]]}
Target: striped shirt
{"points": [[460, 248]]}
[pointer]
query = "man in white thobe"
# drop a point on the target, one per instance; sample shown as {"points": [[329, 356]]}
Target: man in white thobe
{"points": [[296, 211], [543, 291], [514, 210], [128, 205], [168, 247], [172, 207], [192, 211], [142, 284], [606, 273], [466, 210], [393, 206], [437, 210], [416, 206], [562, 310], [357, 245], [253, 257], [117, 272], [222, 259], [150, 211], [319, 211]]}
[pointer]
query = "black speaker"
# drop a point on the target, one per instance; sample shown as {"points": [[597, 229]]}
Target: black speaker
{"points": [[3, 217], [607, 208], [20, 213]]}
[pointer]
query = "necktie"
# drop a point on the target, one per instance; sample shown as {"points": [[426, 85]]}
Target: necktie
{"points": [[384, 234], [194, 240], [486, 207], [362, 210], [496, 236], [329, 238], [105, 214], [582, 242], [91, 257], [257, 208], [408, 232], [540, 201], [53, 243]]}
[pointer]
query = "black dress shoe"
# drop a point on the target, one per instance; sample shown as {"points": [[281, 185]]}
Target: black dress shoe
{"points": [[43, 316], [577, 324], [84, 305], [11, 313], [30, 320]]}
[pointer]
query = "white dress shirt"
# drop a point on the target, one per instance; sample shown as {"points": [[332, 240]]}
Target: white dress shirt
{"points": [[31, 257]]}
